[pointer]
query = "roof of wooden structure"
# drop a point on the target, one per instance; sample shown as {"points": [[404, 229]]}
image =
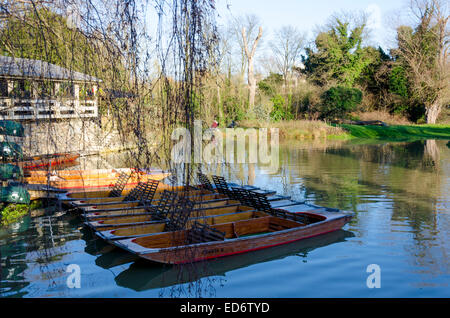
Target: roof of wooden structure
{"points": [[37, 69]]}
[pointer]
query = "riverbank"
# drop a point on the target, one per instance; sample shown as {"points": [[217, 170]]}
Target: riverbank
{"points": [[300, 129], [397, 132], [315, 129]]}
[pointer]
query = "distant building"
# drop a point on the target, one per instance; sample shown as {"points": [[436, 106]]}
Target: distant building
{"points": [[33, 89]]}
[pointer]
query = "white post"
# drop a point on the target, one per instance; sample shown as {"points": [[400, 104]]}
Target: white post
{"points": [[57, 86], [10, 87], [76, 90]]}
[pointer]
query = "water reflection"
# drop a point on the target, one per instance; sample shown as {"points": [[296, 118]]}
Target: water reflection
{"points": [[400, 192], [31, 251], [143, 275]]}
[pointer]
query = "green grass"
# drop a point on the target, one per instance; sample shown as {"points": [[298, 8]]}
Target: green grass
{"points": [[398, 132]]}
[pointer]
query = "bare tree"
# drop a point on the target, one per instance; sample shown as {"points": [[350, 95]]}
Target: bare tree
{"points": [[250, 54], [424, 51], [286, 47]]}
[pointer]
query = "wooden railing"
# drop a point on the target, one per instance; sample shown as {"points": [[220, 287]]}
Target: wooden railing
{"points": [[26, 109]]}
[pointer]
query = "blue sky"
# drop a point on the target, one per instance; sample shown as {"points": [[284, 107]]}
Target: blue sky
{"points": [[306, 15]]}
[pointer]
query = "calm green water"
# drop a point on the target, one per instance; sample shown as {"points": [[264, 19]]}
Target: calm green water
{"points": [[399, 191]]}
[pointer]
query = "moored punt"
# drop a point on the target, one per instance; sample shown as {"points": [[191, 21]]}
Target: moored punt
{"points": [[197, 196], [83, 181], [41, 191], [237, 237], [132, 230], [220, 202], [112, 201], [105, 193], [141, 278], [83, 173], [108, 222], [46, 161], [158, 227], [89, 195], [194, 195]]}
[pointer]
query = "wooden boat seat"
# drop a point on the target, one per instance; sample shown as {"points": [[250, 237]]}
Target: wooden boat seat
{"points": [[204, 182], [143, 192], [222, 186], [166, 201], [119, 185], [260, 202], [179, 214], [200, 233]]}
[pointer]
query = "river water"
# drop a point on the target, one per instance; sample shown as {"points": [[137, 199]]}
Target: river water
{"points": [[400, 193]]}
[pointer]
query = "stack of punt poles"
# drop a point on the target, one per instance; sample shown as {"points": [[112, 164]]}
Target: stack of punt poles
{"points": [[208, 220]]}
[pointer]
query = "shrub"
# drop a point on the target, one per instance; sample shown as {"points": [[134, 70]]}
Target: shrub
{"points": [[338, 101], [279, 111]]}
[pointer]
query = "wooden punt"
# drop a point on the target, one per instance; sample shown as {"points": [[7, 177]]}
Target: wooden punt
{"points": [[46, 161], [80, 181], [104, 193], [199, 198], [239, 237], [158, 227], [113, 201], [220, 202], [140, 278], [108, 223], [224, 204], [193, 195]]}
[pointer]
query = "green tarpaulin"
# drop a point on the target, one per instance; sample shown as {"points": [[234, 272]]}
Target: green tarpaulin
{"points": [[11, 128], [15, 194], [10, 150], [9, 171]]}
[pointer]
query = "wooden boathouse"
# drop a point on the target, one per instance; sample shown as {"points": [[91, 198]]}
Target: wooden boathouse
{"points": [[57, 106], [34, 89]]}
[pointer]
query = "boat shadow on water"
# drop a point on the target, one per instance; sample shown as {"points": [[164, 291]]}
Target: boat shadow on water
{"points": [[143, 275]]}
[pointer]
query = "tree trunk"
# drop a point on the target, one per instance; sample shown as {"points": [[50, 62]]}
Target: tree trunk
{"points": [[433, 112], [251, 86], [250, 75], [432, 151]]}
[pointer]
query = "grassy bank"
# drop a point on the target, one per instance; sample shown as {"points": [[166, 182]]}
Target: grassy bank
{"points": [[315, 129], [398, 132], [300, 129]]}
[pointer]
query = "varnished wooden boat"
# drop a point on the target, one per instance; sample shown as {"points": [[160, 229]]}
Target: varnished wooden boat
{"points": [[239, 237], [197, 196], [79, 180], [223, 207], [82, 173], [140, 278], [89, 195], [75, 196], [146, 229], [112, 202], [117, 221], [105, 203], [139, 210], [46, 161]]}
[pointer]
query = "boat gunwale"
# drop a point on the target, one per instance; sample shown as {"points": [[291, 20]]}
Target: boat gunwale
{"points": [[92, 216], [100, 225], [102, 235], [329, 217], [92, 208]]}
